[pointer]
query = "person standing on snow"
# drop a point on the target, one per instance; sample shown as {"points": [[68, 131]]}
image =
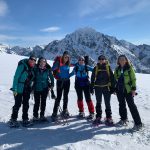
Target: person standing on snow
{"points": [[43, 82], [102, 80], [22, 86], [60, 70], [82, 85], [125, 89]]}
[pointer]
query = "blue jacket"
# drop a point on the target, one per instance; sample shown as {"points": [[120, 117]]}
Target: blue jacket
{"points": [[81, 73], [63, 70]]}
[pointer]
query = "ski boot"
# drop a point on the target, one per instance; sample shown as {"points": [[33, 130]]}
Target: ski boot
{"points": [[137, 127], [65, 114], [43, 119], [13, 123], [26, 123], [90, 117], [81, 115], [54, 118], [123, 122], [109, 121], [97, 122]]}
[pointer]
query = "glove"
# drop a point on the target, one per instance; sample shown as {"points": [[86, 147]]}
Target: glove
{"points": [[15, 93], [92, 89]]}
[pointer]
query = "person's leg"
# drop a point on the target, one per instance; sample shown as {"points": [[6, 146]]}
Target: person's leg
{"points": [[80, 98], [37, 96], [17, 105], [133, 109], [98, 94], [59, 95], [26, 97], [122, 106], [107, 96], [89, 102], [44, 94], [66, 87]]}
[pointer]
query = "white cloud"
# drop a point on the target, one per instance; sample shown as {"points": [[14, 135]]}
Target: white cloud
{"points": [[51, 29], [110, 9], [3, 8]]}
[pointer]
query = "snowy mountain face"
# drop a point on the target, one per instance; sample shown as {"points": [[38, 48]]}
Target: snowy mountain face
{"points": [[3, 48], [87, 41], [37, 50]]}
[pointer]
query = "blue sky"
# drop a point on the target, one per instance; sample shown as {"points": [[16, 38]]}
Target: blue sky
{"points": [[31, 22]]}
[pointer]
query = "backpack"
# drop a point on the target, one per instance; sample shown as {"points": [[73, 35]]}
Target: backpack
{"points": [[55, 72], [107, 70]]}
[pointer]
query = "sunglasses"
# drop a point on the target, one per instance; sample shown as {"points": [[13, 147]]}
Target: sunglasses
{"points": [[81, 59], [101, 59], [33, 59]]}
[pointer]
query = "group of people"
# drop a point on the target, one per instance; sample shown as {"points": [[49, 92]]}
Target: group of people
{"points": [[39, 78]]}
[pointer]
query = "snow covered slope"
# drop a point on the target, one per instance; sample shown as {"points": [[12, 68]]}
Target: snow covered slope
{"points": [[79, 134]]}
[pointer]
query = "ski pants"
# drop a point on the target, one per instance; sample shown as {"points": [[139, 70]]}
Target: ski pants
{"points": [[123, 98], [24, 100], [63, 87], [86, 90], [99, 91], [40, 101]]}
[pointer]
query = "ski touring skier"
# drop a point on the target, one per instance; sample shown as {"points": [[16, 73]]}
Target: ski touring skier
{"points": [[102, 80], [82, 85], [43, 82], [126, 90], [22, 86], [61, 68]]}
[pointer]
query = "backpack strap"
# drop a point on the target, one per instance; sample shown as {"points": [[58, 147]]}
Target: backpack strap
{"points": [[55, 72], [107, 70]]}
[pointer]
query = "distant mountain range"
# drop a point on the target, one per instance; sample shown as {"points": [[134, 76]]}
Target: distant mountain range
{"points": [[87, 41]]}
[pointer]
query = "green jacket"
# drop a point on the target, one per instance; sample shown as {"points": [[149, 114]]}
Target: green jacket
{"points": [[21, 76], [43, 78], [129, 77]]}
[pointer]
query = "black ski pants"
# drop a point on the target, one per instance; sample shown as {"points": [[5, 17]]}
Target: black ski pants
{"points": [[40, 101], [123, 98], [99, 91], [63, 87], [24, 100]]}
